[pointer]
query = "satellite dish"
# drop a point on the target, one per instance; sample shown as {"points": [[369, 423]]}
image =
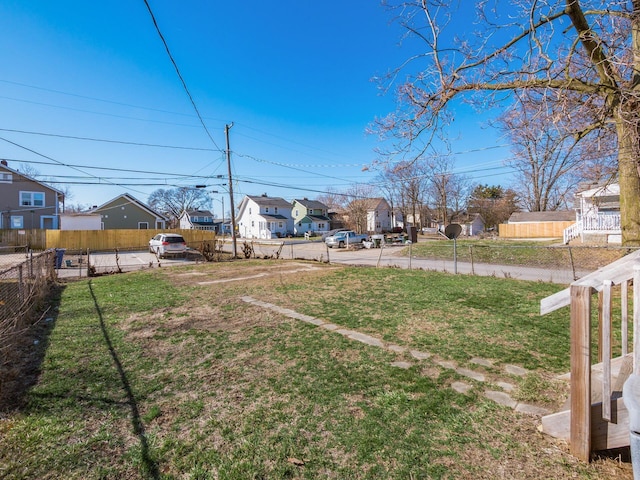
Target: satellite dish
{"points": [[453, 231]]}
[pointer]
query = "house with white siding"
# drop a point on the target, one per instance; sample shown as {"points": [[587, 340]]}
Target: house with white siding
{"points": [[264, 217]]}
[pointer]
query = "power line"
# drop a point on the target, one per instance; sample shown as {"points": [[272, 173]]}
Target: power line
{"points": [[175, 65], [104, 140]]}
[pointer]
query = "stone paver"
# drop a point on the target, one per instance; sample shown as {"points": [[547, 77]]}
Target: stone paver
{"points": [[516, 370], [396, 348], [501, 398], [507, 387], [420, 355], [531, 409], [482, 361], [401, 364], [471, 374], [461, 387]]}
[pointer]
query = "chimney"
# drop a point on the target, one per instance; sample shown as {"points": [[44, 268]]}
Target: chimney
{"points": [[4, 162]]}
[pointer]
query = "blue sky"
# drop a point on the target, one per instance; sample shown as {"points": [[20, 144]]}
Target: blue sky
{"points": [[293, 76]]}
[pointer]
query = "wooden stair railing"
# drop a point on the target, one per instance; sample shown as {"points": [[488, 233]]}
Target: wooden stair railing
{"points": [[585, 417]]}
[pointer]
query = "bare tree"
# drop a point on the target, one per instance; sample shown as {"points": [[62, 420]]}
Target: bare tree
{"points": [[172, 202], [448, 191], [406, 185], [358, 205], [584, 54], [334, 200], [549, 159]]}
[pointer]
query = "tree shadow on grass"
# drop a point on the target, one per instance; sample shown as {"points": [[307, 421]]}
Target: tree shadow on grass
{"points": [[149, 464]]}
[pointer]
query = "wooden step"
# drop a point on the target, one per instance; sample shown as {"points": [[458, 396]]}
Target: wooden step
{"points": [[604, 435]]}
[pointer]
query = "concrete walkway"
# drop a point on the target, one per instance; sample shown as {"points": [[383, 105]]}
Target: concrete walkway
{"points": [[501, 395]]}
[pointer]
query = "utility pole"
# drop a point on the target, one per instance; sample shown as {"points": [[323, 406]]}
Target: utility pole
{"points": [[233, 213]]}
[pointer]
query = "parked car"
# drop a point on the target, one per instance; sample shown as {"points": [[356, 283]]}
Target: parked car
{"points": [[342, 239], [164, 244], [333, 232]]}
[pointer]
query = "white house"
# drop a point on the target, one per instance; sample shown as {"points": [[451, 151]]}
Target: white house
{"points": [[472, 223], [264, 217], [197, 220], [379, 218], [310, 216], [597, 215]]}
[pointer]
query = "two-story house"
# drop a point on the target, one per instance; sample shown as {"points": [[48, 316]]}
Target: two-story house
{"points": [[127, 212], [197, 220], [26, 203], [310, 216], [264, 217]]}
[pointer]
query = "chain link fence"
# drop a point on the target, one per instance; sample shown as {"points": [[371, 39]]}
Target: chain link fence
{"points": [[577, 259], [26, 280]]}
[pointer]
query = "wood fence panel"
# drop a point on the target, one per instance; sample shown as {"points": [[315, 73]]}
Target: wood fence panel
{"points": [[533, 230], [105, 240], [34, 238]]}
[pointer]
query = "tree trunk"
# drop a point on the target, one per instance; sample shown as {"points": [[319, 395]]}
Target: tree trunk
{"points": [[629, 180]]}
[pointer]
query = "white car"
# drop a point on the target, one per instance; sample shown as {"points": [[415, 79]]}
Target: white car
{"points": [[164, 244]]}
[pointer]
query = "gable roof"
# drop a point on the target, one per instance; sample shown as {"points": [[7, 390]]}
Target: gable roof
{"points": [[4, 166], [199, 213], [311, 204], [551, 216], [263, 200], [130, 199], [372, 204]]}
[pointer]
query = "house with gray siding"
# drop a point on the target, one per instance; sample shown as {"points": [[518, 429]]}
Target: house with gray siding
{"points": [[27, 203], [127, 212]]}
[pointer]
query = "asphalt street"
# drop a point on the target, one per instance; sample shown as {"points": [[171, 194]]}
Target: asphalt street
{"points": [[395, 256]]}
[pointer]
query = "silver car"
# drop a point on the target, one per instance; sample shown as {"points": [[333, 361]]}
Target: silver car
{"points": [[164, 244]]}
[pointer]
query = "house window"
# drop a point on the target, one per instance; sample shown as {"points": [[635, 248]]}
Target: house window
{"points": [[143, 225], [17, 221], [280, 224], [276, 209], [32, 199], [266, 209], [296, 212], [5, 177], [252, 224]]}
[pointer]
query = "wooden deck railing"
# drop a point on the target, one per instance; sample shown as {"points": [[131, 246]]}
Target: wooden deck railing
{"points": [[583, 422]]}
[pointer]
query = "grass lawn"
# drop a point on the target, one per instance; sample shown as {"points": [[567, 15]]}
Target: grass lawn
{"points": [[168, 373], [541, 254]]}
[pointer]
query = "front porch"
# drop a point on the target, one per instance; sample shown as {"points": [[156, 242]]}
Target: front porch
{"points": [[602, 227]]}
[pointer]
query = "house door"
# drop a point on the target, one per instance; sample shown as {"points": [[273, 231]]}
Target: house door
{"points": [[48, 222]]}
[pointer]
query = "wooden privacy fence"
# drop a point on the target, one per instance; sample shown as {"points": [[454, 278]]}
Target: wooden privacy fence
{"points": [[35, 239], [107, 240], [533, 230]]}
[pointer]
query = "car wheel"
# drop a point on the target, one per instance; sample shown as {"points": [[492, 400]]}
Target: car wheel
{"points": [[341, 245]]}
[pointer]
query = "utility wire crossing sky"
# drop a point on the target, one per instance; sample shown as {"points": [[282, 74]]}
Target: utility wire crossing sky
{"points": [[128, 97]]}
